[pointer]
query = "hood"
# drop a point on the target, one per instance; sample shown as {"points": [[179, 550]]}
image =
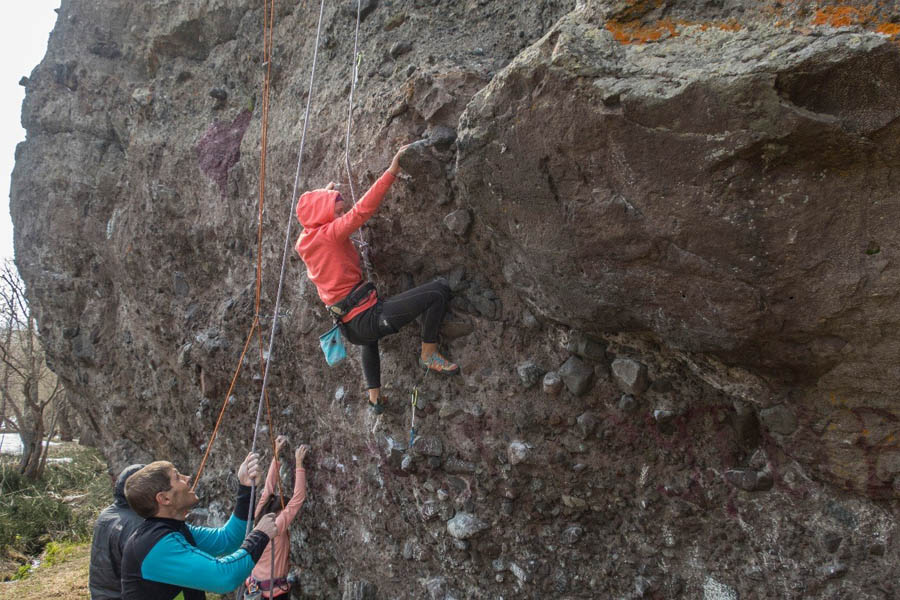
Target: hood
{"points": [[119, 494], [316, 208]]}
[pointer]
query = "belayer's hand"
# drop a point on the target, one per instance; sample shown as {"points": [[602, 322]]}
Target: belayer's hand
{"points": [[267, 525], [249, 470], [395, 164]]}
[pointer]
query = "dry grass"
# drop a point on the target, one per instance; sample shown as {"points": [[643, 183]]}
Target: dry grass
{"points": [[65, 580]]}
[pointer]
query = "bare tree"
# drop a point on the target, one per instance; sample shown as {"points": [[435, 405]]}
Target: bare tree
{"points": [[28, 387]]}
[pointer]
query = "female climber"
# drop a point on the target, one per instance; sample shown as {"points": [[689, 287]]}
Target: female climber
{"points": [[268, 580], [333, 265]]}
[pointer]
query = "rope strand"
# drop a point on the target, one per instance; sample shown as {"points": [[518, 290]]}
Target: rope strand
{"points": [[287, 241]]}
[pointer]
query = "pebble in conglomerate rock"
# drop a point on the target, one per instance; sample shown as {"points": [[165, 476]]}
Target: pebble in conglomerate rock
{"points": [[399, 49], [750, 480], [552, 383], [529, 373], [517, 453], [630, 375], [458, 221], [464, 525], [833, 571], [713, 590], [576, 375], [586, 347], [572, 534], [586, 424], [627, 403], [428, 445], [778, 419]]}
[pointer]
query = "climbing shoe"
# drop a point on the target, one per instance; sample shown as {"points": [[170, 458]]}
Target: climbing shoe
{"points": [[439, 364], [378, 407]]}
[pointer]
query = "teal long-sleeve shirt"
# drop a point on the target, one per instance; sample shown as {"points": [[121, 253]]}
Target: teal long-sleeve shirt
{"points": [[216, 563]]}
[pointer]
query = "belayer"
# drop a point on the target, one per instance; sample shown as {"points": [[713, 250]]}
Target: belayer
{"points": [[333, 265], [166, 558]]}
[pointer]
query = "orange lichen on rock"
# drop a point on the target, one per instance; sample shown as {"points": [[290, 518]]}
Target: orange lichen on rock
{"points": [[731, 25], [889, 29], [841, 16], [635, 32]]}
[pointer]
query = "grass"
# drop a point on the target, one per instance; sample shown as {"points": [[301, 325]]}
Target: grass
{"points": [[64, 577], [50, 515]]}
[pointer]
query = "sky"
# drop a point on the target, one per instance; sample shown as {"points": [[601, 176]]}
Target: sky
{"points": [[24, 31]]}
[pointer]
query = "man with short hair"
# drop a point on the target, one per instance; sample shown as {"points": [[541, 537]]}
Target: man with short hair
{"points": [[167, 558], [113, 528]]}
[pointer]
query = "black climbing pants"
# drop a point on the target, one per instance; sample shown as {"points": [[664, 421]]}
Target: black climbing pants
{"points": [[388, 316]]}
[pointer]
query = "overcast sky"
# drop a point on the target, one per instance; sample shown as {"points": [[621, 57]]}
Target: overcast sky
{"points": [[24, 30]]}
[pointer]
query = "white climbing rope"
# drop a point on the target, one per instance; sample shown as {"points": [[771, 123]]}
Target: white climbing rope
{"points": [[284, 255], [359, 240]]}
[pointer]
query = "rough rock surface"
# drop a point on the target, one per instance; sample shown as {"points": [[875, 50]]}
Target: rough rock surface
{"points": [[706, 188]]}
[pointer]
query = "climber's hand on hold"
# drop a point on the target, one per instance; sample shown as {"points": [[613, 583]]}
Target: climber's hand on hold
{"points": [[280, 442], [300, 454], [395, 164], [330, 185]]}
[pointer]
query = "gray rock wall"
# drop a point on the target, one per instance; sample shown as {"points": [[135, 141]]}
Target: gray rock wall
{"points": [[676, 217]]}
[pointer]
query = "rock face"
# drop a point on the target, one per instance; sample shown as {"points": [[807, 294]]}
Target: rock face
{"points": [[703, 188]]}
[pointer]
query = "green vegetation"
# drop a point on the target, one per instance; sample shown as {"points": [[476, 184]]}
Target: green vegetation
{"points": [[53, 513]]}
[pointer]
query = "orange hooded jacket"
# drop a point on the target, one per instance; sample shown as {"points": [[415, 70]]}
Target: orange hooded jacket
{"points": [[332, 263]]}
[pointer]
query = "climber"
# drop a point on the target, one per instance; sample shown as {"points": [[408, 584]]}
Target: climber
{"points": [[334, 267], [167, 558], [270, 502], [112, 529]]}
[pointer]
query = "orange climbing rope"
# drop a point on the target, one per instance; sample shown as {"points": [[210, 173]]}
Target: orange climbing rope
{"points": [[268, 27]]}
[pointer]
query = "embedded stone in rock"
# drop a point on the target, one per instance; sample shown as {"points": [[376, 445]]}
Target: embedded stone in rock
{"points": [[458, 221], [359, 590], [750, 479], [586, 424], [523, 574], [412, 549], [552, 383], [430, 509], [576, 375], [627, 403], [464, 525], [436, 588], [571, 535], [394, 451], [586, 347], [833, 571], [887, 466], [428, 445], [630, 375], [458, 466], [454, 327], [574, 502], [517, 453], [714, 590], [441, 136], [831, 542], [530, 321], [399, 49], [529, 374], [779, 419]]}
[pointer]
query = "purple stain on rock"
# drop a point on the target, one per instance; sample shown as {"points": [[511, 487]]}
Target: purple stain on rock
{"points": [[220, 148]]}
